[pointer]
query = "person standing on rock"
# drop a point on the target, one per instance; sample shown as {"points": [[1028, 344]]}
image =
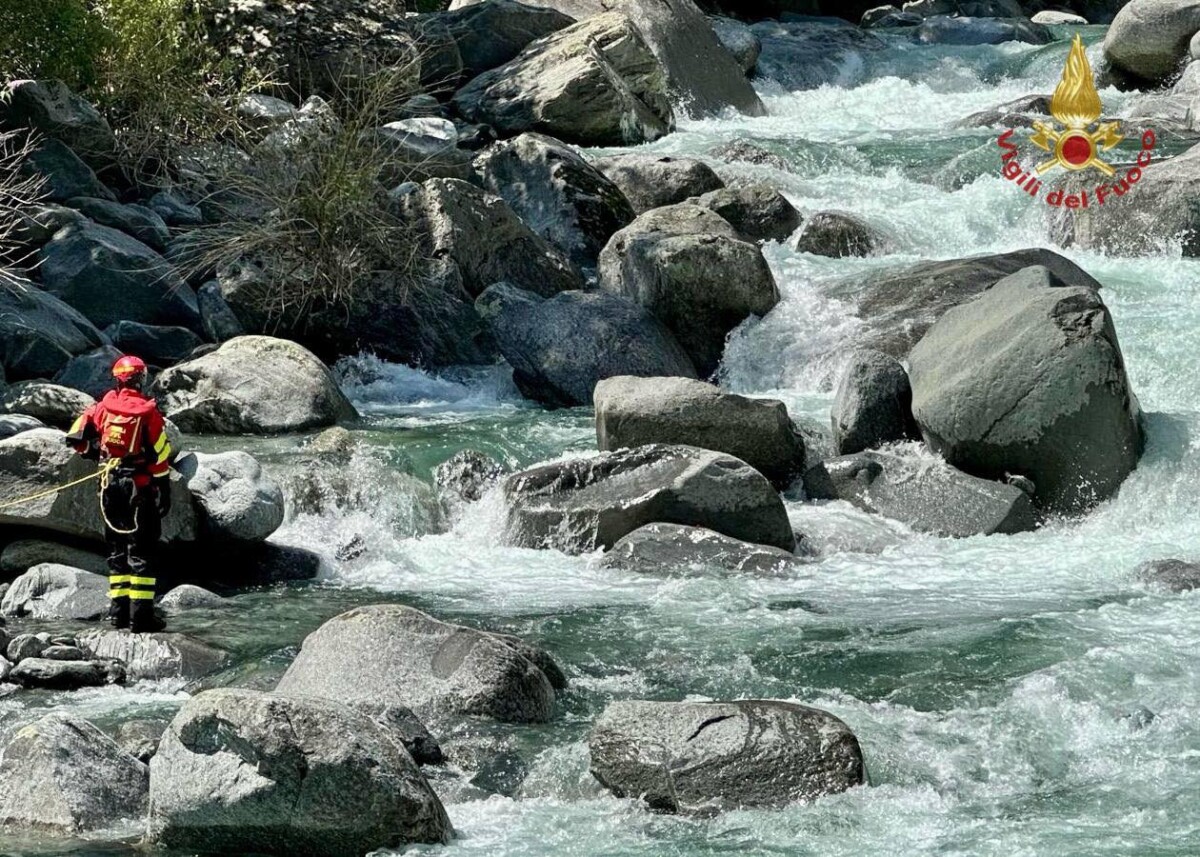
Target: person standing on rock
{"points": [[126, 433]]}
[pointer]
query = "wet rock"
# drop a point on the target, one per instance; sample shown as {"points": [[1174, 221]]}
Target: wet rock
{"points": [[189, 597], [739, 40], [632, 412], [667, 548], [687, 266], [557, 193], [1028, 379], [468, 475], [63, 775], [1019, 113], [238, 501], [838, 234], [399, 656], [400, 722], [90, 373], [747, 152], [1149, 39], [703, 757], [25, 646], [139, 738], [491, 33], [154, 656], [109, 277], [38, 332], [63, 653], [1050, 18], [14, 424], [252, 385], [873, 404], [595, 83], [815, 52], [53, 110], [944, 30], [157, 345], [927, 495], [241, 771], [64, 174], [46, 674], [757, 212], [580, 505], [52, 404], [882, 17], [57, 592], [561, 347], [1173, 575], [653, 181], [136, 221]]}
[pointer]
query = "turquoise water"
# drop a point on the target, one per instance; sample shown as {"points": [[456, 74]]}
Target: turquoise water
{"points": [[1000, 686]]}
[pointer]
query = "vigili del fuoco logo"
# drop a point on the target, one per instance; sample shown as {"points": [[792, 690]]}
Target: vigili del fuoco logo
{"points": [[1076, 142]]}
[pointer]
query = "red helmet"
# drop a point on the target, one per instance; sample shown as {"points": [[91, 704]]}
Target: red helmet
{"points": [[128, 367]]}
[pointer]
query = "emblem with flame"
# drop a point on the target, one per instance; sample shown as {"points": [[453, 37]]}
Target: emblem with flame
{"points": [[1076, 105]]}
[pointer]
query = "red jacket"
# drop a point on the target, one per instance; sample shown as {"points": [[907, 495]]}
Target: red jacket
{"points": [[125, 424]]}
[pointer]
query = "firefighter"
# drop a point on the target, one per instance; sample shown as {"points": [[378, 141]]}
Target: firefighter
{"points": [[126, 432]]}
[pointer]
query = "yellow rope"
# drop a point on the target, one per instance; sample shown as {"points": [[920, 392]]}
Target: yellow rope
{"points": [[103, 474], [105, 471]]}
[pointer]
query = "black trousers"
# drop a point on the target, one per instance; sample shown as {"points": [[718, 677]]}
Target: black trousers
{"points": [[132, 530]]}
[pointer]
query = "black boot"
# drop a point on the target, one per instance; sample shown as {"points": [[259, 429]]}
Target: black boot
{"points": [[118, 612], [143, 619]]}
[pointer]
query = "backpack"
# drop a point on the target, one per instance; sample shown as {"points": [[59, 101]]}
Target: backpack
{"points": [[120, 435]]}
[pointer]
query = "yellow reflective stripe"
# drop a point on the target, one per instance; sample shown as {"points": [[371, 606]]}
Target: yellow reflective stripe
{"points": [[165, 453], [162, 441], [139, 595], [77, 426], [118, 578], [143, 581], [118, 593]]}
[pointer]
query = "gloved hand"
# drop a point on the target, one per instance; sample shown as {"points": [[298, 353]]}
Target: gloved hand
{"points": [[162, 495]]}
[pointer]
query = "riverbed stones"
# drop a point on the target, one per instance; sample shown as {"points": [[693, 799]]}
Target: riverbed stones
{"points": [[189, 597], [153, 656], [653, 181], [1172, 575], [57, 592], [24, 646], [38, 332], [873, 404], [63, 775], [1028, 379], [758, 212], [467, 475], [241, 771], [808, 54], [238, 501], [927, 495], [1149, 39], [582, 504], [946, 30], [52, 404], [706, 757], [48, 674], [838, 234], [632, 412], [737, 38], [253, 385], [557, 193], [401, 656], [672, 548], [561, 347]]}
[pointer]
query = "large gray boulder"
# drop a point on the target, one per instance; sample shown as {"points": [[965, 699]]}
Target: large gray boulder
{"points": [[188, 597], [57, 592], [64, 174], [237, 501], [737, 38], [811, 53], [838, 234], [653, 181], [557, 193], [14, 424], [53, 404], [873, 404], [561, 347], [1149, 39], [704, 757], [1171, 575], [595, 83], [1028, 379], [493, 32], [687, 266], [673, 548], [758, 212], [38, 332], [137, 221], [396, 655], [153, 656], [43, 673], [253, 385], [240, 771], [633, 412], [486, 239], [50, 108], [109, 277], [63, 775], [582, 504], [929, 496]]}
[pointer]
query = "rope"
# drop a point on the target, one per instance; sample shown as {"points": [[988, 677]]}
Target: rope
{"points": [[103, 474], [105, 471]]}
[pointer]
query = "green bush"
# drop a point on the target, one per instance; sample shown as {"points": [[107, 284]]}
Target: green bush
{"points": [[51, 38]]}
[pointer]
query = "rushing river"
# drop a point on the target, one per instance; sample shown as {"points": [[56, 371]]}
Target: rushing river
{"points": [[1014, 695]]}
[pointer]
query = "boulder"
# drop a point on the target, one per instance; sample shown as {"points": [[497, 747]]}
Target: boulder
{"points": [[1052, 19], [90, 374], [929, 496], [64, 174], [687, 266], [158, 346], [237, 500], [944, 30], [739, 40], [1028, 379], [889, 16], [53, 405], [758, 212], [580, 505], [561, 347], [188, 597], [1172, 575], [653, 181], [63, 775], [421, 149], [174, 209], [557, 193], [45, 674], [110, 277], [491, 33], [873, 404], [596, 83], [63, 653], [153, 656], [14, 424], [50, 108], [465, 476], [219, 322], [1148, 40], [57, 592], [486, 240], [1019, 113], [743, 151], [240, 771], [704, 757], [20, 556], [404, 726], [632, 412], [252, 385], [899, 306], [811, 53], [838, 234], [669, 548], [139, 738], [136, 221], [5, 665], [396, 655], [38, 332], [25, 646]]}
